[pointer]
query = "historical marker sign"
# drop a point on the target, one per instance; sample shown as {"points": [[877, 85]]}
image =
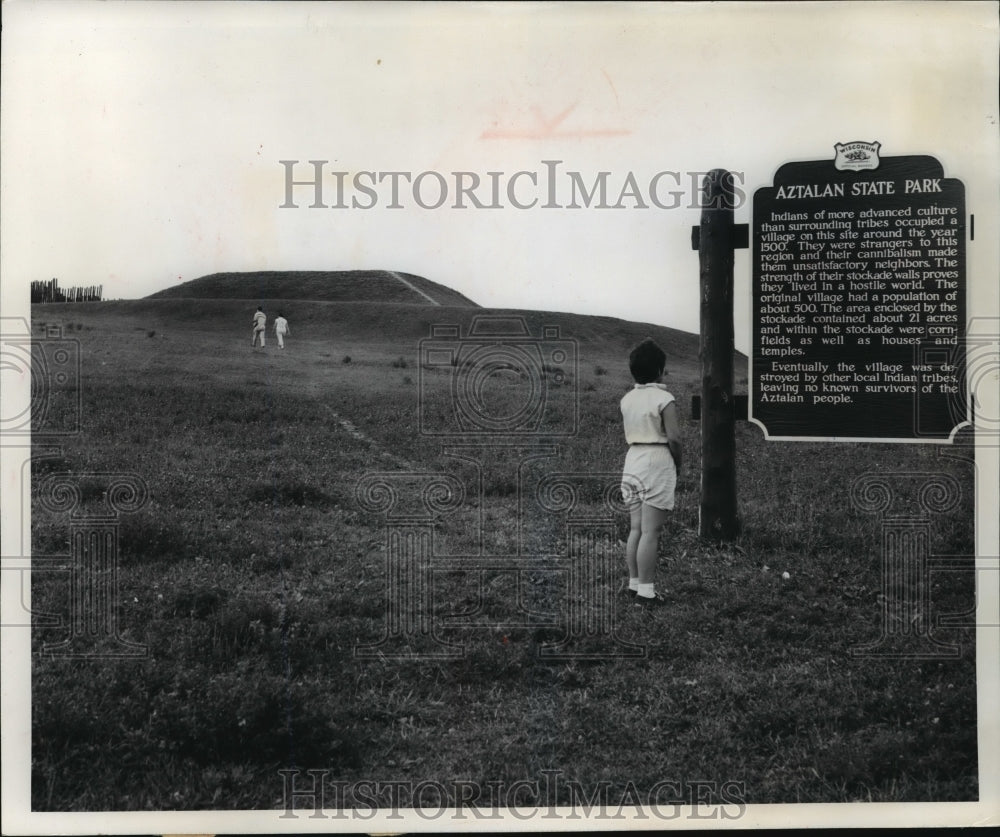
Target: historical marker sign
{"points": [[859, 299]]}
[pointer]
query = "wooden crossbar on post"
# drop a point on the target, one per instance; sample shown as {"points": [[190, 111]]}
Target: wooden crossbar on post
{"points": [[715, 239]]}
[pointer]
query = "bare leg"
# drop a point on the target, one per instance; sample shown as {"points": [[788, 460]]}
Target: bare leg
{"points": [[635, 521], [652, 520]]}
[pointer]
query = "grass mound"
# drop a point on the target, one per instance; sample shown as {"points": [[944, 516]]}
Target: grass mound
{"points": [[324, 285]]}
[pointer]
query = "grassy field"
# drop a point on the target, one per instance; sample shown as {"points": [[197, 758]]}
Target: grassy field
{"points": [[253, 573]]}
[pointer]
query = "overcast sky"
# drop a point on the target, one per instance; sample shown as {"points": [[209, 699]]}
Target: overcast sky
{"points": [[142, 141]]}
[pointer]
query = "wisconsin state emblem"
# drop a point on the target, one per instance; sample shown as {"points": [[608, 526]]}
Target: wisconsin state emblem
{"points": [[856, 156]]}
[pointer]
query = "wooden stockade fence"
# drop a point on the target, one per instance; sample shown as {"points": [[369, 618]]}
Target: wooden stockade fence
{"points": [[51, 292]]}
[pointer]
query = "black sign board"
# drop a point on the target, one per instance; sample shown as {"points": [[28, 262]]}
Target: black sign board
{"points": [[859, 300]]}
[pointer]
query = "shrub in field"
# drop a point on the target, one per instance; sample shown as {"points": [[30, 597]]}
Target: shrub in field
{"points": [[91, 491], [48, 538], [500, 486], [495, 659], [212, 718], [557, 375], [196, 601], [173, 727], [47, 464], [243, 621], [264, 564], [399, 363], [288, 493], [347, 606], [82, 710], [346, 359], [148, 535]]}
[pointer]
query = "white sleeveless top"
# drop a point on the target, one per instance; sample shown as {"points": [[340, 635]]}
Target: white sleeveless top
{"points": [[641, 412]]}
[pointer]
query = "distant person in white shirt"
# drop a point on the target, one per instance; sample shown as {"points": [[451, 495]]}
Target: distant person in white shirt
{"points": [[259, 325], [649, 478], [281, 329]]}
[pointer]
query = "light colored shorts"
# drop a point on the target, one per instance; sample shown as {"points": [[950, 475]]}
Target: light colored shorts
{"points": [[649, 476]]}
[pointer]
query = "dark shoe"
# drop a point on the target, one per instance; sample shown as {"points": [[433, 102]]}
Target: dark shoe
{"points": [[642, 601]]}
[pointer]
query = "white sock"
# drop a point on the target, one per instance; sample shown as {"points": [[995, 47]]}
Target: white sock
{"points": [[633, 583], [647, 591]]}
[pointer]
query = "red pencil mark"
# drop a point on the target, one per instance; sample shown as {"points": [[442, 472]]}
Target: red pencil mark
{"points": [[611, 84], [547, 129]]}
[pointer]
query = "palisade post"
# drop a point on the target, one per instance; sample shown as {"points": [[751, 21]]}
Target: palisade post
{"points": [[715, 239]]}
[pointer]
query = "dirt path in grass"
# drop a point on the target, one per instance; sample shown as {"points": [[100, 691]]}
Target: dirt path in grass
{"points": [[377, 450], [413, 287], [314, 388]]}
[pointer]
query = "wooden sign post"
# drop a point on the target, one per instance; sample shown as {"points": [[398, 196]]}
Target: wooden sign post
{"points": [[715, 239]]}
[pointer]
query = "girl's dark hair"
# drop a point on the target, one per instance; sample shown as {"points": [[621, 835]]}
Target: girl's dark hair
{"points": [[646, 361]]}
